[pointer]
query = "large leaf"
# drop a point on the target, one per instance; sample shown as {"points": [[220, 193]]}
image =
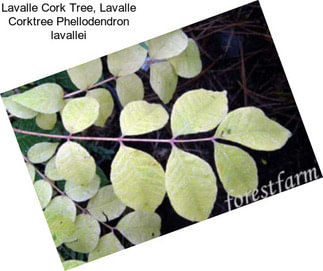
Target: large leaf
{"points": [[249, 126], [139, 227], [69, 264], [129, 88], [107, 245], [44, 192], [105, 205], [41, 152], [167, 45], [140, 117], [188, 64], [138, 179], [87, 234], [127, 61], [74, 163], [163, 80], [46, 121], [106, 103], [85, 75], [46, 98], [191, 185], [237, 170], [198, 111], [51, 170], [80, 113], [17, 109]]}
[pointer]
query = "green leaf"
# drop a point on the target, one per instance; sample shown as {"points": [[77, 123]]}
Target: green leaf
{"points": [[140, 117], [44, 192], [127, 61], [85, 75], [51, 170], [105, 100], [250, 127], [69, 264], [190, 185], [82, 192], [46, 121], [41, 152], [105, 204], [188, 64], [237, 170], [31, 171], [129, 88], [60, 78], [139, 227], [74, 163], [163, 80], [87, 234], [62, 205], [167, 45], [138, 179], [80, 113], [46, 98], [17, 109], [107, 245], [103, 178], [198, 111]]}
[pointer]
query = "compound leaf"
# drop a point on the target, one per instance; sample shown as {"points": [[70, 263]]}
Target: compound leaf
{"points": [[237, 170], [250, 127], [129, 88], [44, 192], [69, 264], [190, 185], [41, 152], [17, 109], [198, 111], [51, 170], [140, 117], [138, 179], [46, 121]]}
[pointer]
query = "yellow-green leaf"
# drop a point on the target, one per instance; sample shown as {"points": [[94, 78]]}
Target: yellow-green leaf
{"points": [[87, 234], [107, 245], [17, 109], [44, 192], [80, 113], [85, 75], [82, 192], [188, 64], [127, 61], [250, 126], [237, 170], [129, 88], [41, 152], [75, 164], [190, 185], [140, 117], [163, 80], [105, 205], [71, 264], [139, 227], [138, 179], [46, 121], [62, 205], [198, 111], [167, 45], [31, 171], [46, 98], [51, 170]]}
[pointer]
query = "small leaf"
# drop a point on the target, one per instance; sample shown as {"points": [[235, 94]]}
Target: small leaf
{"points": [[140, 117], [107, 245], [198, 111], [167, 45], [138, 179], [62, 205], [87, 234], [17, 109], [163, 80], [237, 170], [85, 75], [105, 204], [105, 100], [31, 171], [129, 88], [51, 170], [190, 185], [71, 264], [41, 152], [44, 192], [188, 64], [127, 61], [75, 164], [46, 98], [82, 192], [250, 127], [80, 113], [46, 121], [139, 227]]}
